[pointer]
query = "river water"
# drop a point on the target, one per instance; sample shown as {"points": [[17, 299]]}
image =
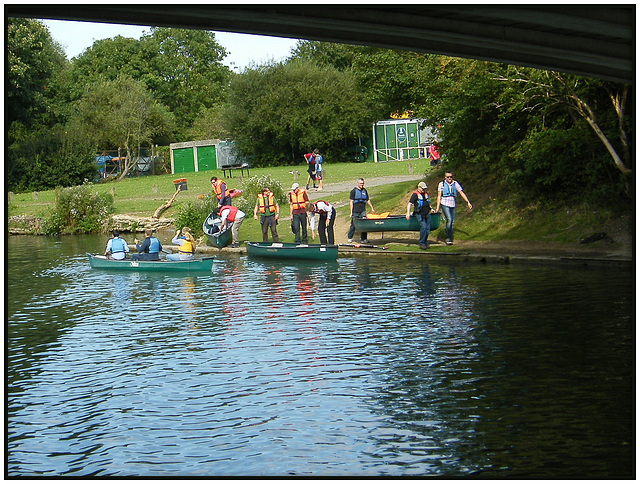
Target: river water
{"points": [[361, 367]]}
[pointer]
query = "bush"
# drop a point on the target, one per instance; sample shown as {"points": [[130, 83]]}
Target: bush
{"points": [[251, 187], [77, 210], [193, 214]]}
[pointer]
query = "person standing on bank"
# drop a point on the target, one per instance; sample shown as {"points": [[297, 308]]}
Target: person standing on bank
{"points": [[149, 249], [318, 161], [231, 216], [298, 199], [269, 210], [448, 190], [117, 248], [434, 153], [358, 200], [186, 245], [221, 192], [327, 217], [419, 202], [311, 166]]}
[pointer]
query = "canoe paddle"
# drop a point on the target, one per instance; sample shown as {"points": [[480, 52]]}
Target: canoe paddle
{"points": [[363, 246]]}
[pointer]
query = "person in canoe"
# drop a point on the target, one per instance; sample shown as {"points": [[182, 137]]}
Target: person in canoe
{"points": [[358, 200], [221, 191], [149, 249], [186, 243], [269, 209], [117, 248], [327, 217], [298, 199], [231, 216], [419, 202]]}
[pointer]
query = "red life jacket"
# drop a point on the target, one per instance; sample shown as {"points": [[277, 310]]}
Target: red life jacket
{"points": [[232, 212]]}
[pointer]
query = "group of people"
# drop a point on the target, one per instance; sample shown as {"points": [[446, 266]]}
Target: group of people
{"points": [[302, 212], [420, 206], [150, 248]]}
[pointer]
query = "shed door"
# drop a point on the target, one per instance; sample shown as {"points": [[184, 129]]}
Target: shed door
{"points": [[183, 161], [206, 158]]}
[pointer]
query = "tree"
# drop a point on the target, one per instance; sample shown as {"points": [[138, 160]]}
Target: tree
{"points": [[122, 113], [33, 58], [185, 71], [546, 91], [277, 111], [182, 69]]}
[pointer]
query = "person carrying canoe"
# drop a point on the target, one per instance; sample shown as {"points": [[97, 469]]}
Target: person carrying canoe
{"points": [[117, 248], [358, 200], [186, 243], [221, 192], [298, 199], [149, 249], [327, 217], [419, 202], [231, 216], [269, 210]]}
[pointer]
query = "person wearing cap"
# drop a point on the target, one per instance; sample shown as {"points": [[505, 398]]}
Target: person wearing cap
{"points": [[419, 202], [298, 199], [448, 190]]}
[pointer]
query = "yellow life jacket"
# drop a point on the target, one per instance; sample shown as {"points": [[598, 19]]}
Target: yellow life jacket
{"points": [[186, 247]]}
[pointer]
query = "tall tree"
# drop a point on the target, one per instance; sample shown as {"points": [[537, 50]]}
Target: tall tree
{"points": [[122, 113], [277, 111], [33, 59]]}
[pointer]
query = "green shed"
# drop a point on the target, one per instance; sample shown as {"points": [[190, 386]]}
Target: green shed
{"points": [[192, 156], [396, 139]]}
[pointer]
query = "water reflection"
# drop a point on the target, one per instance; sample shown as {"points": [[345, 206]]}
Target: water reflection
{"points": [[364, 367]]}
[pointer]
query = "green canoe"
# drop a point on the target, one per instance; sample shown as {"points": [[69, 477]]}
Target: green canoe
{"points": [[211, 227], [393, 223], [195, 265], [292, 251]]}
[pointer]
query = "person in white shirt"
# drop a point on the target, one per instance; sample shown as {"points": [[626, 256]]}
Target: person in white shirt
{"points": [[327, 217], [448, 190]]}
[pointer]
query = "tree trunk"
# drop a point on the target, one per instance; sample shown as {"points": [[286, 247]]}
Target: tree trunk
{"points": [[165, 205]]}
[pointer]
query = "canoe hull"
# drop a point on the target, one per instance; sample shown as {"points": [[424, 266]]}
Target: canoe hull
{"points": [[394, 223], [184, 266], [220, 240], [292, 251]]}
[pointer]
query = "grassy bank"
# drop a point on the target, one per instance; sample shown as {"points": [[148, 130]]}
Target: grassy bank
{"points": [[494, 217]]}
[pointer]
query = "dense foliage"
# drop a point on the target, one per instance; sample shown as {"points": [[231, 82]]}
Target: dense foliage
{"points": [[78, 210], [536, 133]]}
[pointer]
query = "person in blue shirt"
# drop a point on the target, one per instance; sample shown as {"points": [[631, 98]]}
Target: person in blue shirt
{"points": [[149, 249], [117, 248]]}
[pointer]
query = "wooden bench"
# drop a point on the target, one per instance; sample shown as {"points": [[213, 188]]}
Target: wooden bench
{"points": [[229, 168]]}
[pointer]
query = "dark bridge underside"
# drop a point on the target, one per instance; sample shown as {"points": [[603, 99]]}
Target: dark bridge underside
{"points": [[592, 40]]}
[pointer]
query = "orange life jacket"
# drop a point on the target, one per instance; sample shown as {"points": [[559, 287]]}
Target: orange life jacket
{"points": [[298, 201], [269, 206], [218, 191]]}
